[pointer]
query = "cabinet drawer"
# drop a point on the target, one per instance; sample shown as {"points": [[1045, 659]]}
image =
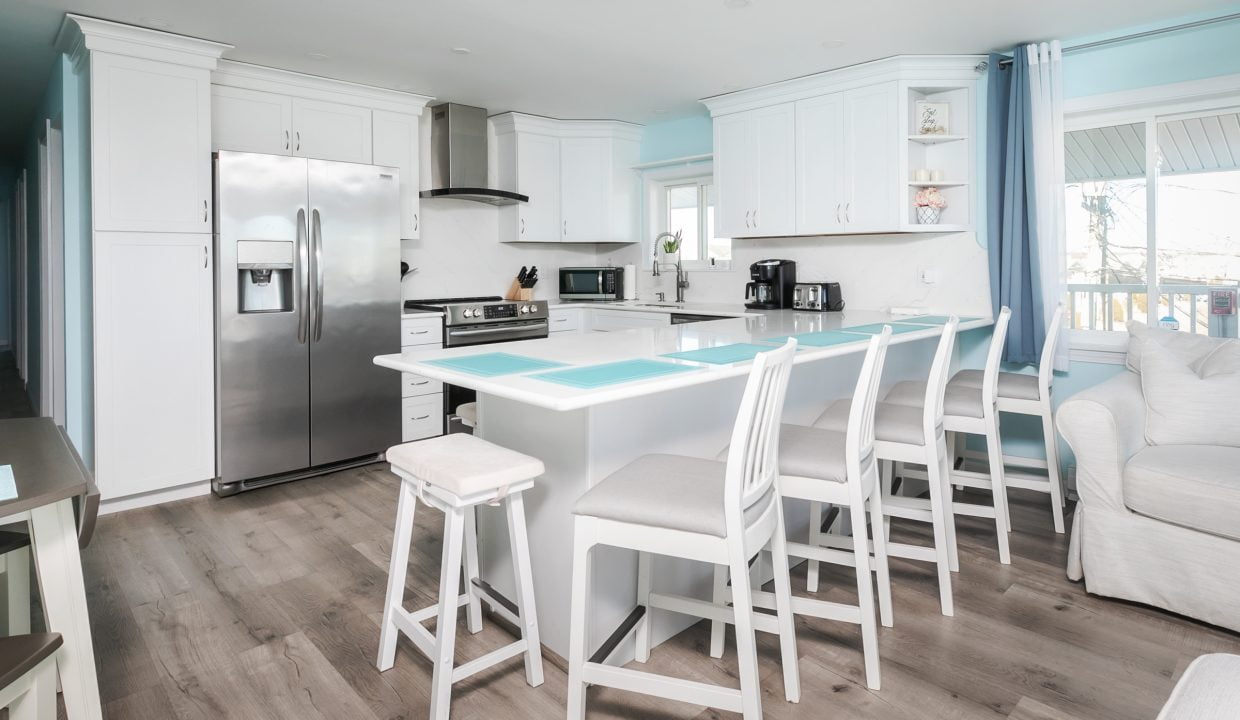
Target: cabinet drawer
{"points": [[413, 385], [421, 417], [421, 331], [565, 320]]}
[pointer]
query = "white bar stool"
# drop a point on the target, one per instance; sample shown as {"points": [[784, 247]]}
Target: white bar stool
{"points": [[973, 411], [456, 473], [28, 675], [908, 435], [468, 414], [834, 467], [1023, 394], [722, 513]]}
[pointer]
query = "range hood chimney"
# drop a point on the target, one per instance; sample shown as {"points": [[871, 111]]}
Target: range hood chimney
{"points": [[459, 157]]}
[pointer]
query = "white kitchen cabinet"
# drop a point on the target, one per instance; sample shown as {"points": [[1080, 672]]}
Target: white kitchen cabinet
{"points": [[421, 417], [251, 121], [611, 320], [565, 319], [154, 361], [422, 408], [871, 165], [538, 176], [585, 185], [150, 145], [331, 131], [396, 145], [820, 193], [755, 172]]}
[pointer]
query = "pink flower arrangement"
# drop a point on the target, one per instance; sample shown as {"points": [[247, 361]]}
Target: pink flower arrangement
{"points": [[930, 197]]}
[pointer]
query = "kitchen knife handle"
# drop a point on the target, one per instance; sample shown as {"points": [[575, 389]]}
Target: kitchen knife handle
{"points": [[301, 279]]}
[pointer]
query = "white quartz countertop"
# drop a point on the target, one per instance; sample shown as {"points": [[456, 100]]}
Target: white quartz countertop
{"points": [[650, 343], [720, 309]]}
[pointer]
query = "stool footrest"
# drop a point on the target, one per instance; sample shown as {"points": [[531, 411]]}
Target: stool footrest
{"points": [[706, 609], [412, 629], [662, 686], [985, 511], [477, 665], [499, 604], [1027, 481], [908, 508]]}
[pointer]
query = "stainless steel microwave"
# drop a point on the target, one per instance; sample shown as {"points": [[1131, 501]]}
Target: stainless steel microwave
{"points": [[591, 283]]}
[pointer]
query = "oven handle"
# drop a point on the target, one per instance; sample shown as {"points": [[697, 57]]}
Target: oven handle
{"points": [[534, 327]]}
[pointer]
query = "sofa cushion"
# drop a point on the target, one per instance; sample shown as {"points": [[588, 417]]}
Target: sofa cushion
{"points": [[1183, 408], [1223, 360], [1190, 348], [1195, 486]]}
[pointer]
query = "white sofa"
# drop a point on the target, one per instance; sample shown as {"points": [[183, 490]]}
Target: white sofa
{"points": [[1157, 524]]}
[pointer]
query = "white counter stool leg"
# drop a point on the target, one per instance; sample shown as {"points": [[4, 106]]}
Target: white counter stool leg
{"points": [[1022, 394], [15, 574], [973, 411], [840, 468], [454, 474], [907, 435], [722, 513]]}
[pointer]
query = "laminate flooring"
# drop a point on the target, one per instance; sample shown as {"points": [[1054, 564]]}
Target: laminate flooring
{"points": [[267, 605]]}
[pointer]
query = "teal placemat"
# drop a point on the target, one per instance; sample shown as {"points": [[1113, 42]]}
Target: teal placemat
{"points": [[594, 376], [824, 338], [722, 355], [933, 319], [876, 328], [493, 364], [8, 486]]}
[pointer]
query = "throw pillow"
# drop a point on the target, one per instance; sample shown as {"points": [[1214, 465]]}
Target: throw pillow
{"points": [[1183, 408], [1188, 347], [1225, 359]]}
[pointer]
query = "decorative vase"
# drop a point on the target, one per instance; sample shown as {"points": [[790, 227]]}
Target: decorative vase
{"points": [[928, 215]]}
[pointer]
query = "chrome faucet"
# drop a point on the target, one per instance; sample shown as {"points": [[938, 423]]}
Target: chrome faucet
{"points": [[682, 276]]}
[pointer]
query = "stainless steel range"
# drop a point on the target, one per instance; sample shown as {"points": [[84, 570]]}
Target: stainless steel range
{"points": [[480, 321]]}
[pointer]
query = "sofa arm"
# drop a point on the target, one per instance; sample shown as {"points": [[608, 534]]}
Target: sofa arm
{"points": [[1104, 426]]}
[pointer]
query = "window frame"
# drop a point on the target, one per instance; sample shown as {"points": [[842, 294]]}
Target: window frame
{"points": [[1150, 106], [657, 182]]}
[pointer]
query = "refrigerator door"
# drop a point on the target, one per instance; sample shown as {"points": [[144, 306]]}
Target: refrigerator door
{"points": [[355, 309], [262, 370]]}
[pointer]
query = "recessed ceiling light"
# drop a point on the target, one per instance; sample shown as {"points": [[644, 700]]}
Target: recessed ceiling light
{"points": [[832, 44], [461, 50], [317, 56], [735, 4], [154, 22]]}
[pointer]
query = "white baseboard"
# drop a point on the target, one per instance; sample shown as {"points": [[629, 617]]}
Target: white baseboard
{"points": [[155, 497]]}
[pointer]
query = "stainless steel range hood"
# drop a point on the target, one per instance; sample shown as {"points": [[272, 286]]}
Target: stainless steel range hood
{"points": [[459, 157]]}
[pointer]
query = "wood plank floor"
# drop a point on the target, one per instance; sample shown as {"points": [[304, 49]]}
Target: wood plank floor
{"points": [[267, 605]]}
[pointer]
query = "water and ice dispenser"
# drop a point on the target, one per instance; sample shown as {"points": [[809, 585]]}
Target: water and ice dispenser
{"points": [[264, 276]]}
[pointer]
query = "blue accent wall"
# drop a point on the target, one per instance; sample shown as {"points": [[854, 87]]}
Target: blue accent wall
{"points": [[681, 137]]}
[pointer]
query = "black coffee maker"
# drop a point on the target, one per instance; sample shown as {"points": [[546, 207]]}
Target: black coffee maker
{"points": [[771, 286]]}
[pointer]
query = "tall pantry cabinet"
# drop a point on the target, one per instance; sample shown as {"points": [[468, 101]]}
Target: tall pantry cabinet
{"points": [[151, 190]]}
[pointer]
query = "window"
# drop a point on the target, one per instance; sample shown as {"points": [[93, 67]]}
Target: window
{"points": [[1152, 220], [687, 205]]}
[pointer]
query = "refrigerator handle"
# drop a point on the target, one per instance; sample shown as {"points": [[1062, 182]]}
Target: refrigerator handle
{"points": [[316, 241], [302, 278]]}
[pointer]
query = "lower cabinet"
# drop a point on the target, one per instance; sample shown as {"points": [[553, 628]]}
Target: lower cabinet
{"points": [[421, 405], [154, 361], [421, 417], [565, 319], [607, 320]]}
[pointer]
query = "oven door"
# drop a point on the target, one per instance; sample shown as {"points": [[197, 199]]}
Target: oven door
{"points": [[583, 283], [496, 333]]}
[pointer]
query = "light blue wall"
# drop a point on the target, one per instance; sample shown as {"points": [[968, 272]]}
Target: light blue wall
{"points": [[677, 138]]}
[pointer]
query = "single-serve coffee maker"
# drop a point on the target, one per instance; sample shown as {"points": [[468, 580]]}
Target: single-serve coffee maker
{"points": [[771, 285]]}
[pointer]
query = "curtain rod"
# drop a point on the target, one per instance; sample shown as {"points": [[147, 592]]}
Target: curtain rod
{"points": [[1137, 36]]}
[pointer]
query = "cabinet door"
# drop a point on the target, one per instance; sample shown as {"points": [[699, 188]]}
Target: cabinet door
{"points": [[773, 169], [154, 361], [150, 145], [331, 131], [585, 182], [251, 121], [871, 165], [538, 176], [396, 145], [820, 165], [733, 203]]}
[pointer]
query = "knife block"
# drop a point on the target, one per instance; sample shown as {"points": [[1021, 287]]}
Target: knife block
{"points": [[518, 293]]}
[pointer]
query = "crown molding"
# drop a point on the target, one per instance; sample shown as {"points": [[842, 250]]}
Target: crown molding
{"points": [[79, 33], [523, 122], [908, 68], [231, 73]]}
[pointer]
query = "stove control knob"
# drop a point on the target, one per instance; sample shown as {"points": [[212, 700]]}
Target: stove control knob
{"points": [[529, 308], [525, 309], [469, 312]]}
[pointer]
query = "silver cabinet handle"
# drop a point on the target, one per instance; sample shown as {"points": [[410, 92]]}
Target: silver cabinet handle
{"points": [[204, 210], [559, 319], [522, 226], [205, 256], [316, 241], [298, 134], [747, 218], [419, 332], [286, 139], [565, 228], [424, 382], [423, 417], [415, 222], [301, 280], [848, 211], [755, 219], [837, 213]]}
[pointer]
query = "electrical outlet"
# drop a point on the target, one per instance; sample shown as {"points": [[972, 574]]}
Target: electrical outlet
{"points": [[927, 276]]}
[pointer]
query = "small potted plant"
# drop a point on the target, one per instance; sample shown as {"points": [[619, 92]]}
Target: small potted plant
{"points": [[929, 203]]}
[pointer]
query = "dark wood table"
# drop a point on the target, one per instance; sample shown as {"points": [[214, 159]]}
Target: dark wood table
{"points": [[50, 475]]}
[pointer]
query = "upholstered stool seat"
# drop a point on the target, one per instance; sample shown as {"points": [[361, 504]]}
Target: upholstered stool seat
{"points": [[892, 422], [1017, 386], [463, 465], [468, 413], [959, 400]]}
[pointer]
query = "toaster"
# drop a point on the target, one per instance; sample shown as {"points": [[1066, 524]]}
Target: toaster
{"points": [[817, 296]]}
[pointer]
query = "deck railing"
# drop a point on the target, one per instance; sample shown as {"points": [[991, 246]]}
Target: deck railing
{"points": [[1109, 307]]}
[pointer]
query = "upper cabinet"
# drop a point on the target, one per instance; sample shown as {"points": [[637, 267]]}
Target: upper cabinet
{"points": [[577, 173], [151, 144], [755, 171], [277, 112], [847, 151]]}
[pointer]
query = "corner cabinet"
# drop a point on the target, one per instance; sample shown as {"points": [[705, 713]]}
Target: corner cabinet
{"points": [[838, 152], [577, 173], [396, 145]]}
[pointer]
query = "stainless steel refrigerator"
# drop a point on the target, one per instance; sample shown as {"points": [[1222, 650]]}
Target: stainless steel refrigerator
{"points": [[307, 293]]}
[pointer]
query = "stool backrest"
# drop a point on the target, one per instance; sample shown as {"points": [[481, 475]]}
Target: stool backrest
{"points": [[990, 376], [859, 447], [753, 455], [1046, 364], [936, 384]]}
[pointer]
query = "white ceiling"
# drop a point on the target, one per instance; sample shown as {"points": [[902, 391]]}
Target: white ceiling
{"points": [[637, 60]]}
